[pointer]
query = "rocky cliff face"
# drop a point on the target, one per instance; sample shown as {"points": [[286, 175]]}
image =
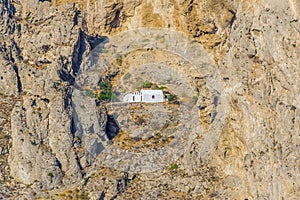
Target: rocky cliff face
{"points": [[233, 66]]}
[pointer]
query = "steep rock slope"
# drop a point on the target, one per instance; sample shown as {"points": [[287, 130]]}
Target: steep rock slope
{"points": [[255, 48]]}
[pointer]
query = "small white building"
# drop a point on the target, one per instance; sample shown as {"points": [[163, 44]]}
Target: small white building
{"points": [[148, 96]]}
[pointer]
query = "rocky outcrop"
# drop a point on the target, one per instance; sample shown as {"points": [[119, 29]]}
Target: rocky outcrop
{"points": [[10, 52], [262, 49], [41, 150], [254, 149], [242, 79], [31, 157]]}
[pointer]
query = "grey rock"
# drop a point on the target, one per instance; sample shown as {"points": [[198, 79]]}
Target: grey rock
{"points": [[246, 146]]}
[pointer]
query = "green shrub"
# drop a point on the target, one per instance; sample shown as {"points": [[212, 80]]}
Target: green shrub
{"points": [[174, 166], [171, 97], [105, 85], [50, 174], [161, 88], [147, 84], [106, 93]]}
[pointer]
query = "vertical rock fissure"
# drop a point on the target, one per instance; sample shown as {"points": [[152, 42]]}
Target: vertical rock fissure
{"points": [[233, 18], [79, 49], [19, 83]]}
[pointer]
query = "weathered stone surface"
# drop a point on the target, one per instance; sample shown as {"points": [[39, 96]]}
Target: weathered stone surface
{"points": [[31, 158], [238, 62]]}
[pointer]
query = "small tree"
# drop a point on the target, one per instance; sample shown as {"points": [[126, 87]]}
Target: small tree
{"points": [[171, 97], [147, 84], [105, 85], [106, 93]]}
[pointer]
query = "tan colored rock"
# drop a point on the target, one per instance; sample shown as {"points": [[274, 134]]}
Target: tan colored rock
{"points": [[254, 46]]}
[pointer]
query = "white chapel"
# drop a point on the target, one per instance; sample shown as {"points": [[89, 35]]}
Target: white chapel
{"points": [[148, 96]]}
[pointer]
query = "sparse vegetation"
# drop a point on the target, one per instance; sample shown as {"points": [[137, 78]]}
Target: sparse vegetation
{"points": [[124, 141], [173, 167], [27, 17], [50, 174], [82, 196], [147, 84], [7, 137], [157, 136], [106, 91], [161, 88], [119, 61], [107, 95], [105, 85], [171, 97]]}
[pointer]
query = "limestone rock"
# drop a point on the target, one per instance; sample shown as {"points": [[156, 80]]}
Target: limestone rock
{"points": [[53, 132], [31, 158]]}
